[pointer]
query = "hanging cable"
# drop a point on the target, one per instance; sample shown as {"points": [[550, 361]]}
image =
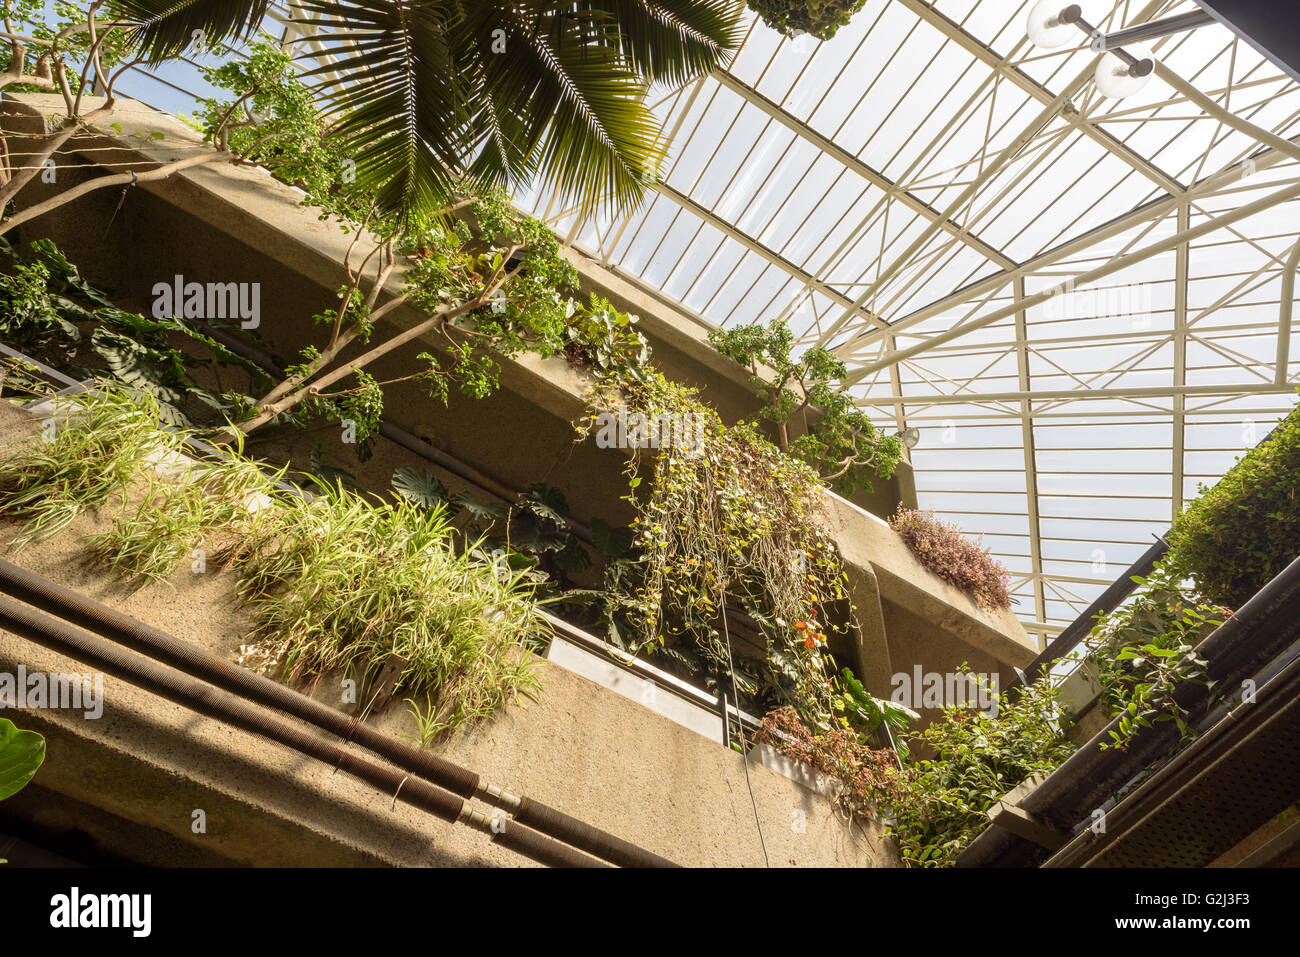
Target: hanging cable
{"points": [[731, 667]]}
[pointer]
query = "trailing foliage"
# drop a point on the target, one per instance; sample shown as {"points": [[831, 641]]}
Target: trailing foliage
{"points": [[336, 581], [1144, 650], [1240, 534], [838, 440], [726, 520], [868, 777], [943, 549], [976, 758], [821, 18]]}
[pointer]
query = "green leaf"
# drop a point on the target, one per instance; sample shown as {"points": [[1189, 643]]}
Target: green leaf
{"points": [[21, 753]]}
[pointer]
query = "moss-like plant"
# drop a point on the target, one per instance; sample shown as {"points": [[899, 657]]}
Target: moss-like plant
{"points": [[943, 549], [1241, 533], [821, 18]]}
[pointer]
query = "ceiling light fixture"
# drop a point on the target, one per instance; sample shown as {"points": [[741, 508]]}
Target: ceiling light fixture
{"points": [[1125, 66], [911, 437]]}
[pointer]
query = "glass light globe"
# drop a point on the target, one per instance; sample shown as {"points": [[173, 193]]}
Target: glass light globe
{"points": [[1045, 28], [1116, 79]]}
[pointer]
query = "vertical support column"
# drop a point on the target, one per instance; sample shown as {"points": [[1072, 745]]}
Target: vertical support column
{"points": [[1177, 464], [1031, 464]]}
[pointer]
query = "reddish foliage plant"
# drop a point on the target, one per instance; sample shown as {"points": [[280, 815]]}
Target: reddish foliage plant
{"points": [[869, 776], [941, 547]]}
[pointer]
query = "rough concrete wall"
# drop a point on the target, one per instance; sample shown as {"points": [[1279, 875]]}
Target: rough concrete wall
{"points": [[581, 748]]}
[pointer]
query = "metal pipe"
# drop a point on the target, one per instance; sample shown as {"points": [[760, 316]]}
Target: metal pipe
{"points": [[1155, 30], [229, 709], [67, 604]]}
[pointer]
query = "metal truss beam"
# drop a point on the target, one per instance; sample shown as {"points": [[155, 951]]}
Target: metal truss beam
{"points": [[753, 245], [832, 149]]}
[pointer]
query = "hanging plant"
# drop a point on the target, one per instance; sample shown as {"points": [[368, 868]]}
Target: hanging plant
{"points": [[727, 522], [821, 18]]}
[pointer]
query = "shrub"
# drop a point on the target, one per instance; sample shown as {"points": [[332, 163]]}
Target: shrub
{"points": [[1241, 533], [1145, 649], [335, 581], [839, 441], [821, 18], [977, 758], [943, 549]]}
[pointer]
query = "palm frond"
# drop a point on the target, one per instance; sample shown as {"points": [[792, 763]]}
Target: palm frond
{"points": [[166, 27], [673, 40], [391, 82], [574, 107]]}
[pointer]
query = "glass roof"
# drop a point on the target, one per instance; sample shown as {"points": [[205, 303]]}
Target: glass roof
{"points": [[1075, 298]]}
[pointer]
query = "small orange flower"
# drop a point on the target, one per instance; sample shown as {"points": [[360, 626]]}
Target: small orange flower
{"points": [[809, 643], [801, 625]]}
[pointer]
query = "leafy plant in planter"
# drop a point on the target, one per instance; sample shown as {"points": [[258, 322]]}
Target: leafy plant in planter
{"points": [[838, 441], [1146, 649], [536, 539], [335, 581], [943, 549], [863, 712], [606, 340], [727, 520], [1241, 533], [976, 759], [49, 311], [821, 18], [869, 778]]}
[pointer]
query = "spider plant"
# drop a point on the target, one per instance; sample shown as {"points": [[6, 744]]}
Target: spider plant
{"points": [[221, 507], [350, 584], [88, 451]]}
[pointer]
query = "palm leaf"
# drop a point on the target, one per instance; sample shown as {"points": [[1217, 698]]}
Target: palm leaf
{"points": [[392, 86], [573, 106], [167, 26], [674, 40]]}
